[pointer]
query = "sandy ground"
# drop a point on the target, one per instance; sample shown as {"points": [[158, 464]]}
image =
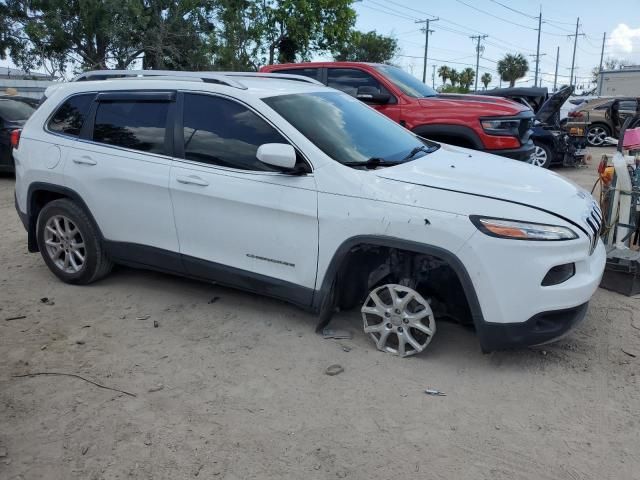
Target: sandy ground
{"points": [[236, 389]]}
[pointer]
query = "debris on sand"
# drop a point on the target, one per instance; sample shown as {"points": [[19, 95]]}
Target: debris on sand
{"points": [[434, 392], [333, 370], [336, 334]]}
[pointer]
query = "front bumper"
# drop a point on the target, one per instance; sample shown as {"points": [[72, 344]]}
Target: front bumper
{"points": [[517, 310], [542, 328], [522, 153]]}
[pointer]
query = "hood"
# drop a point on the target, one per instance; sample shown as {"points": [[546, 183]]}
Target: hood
{"points": [[476, 173], [485, 105], [551, 107]]}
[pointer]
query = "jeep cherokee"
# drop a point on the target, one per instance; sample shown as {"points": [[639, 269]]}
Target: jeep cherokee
{"points": [[297, 191]]}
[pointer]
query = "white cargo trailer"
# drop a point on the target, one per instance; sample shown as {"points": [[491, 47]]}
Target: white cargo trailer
{"points": [[620, 83]]}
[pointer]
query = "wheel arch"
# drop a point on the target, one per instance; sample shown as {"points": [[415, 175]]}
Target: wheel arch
{"points": [[602, 124], [343, 252], [40, 194], [464, 134]]}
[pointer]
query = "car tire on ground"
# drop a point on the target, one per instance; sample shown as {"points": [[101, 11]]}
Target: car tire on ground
{"points": [[596, 134], [541, 156], [69, 243]]}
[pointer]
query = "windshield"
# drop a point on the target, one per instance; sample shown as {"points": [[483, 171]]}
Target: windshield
{"points": [[406, 82], [346, 129], [13, 110]]}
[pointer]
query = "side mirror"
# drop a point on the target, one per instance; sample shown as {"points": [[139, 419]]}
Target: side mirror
{"points": [[370, 94], [277, 154]]}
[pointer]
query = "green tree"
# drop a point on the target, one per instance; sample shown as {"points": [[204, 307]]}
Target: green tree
{"points": [[454, 77], [237, 39], [486, 79], [444, 72], [94, 34], [295, 28], [367, 47], [467, 76], [173, 34], [512, 67]]}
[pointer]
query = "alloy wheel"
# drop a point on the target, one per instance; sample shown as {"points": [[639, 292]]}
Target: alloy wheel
{"points": [[398, 319], [64, 244], [539, 157], [596, 136]]}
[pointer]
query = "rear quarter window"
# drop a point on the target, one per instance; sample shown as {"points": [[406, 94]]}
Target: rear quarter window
{"points": [[69, 117]]}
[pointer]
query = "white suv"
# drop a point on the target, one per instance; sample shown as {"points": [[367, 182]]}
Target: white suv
{"points": [[278, 185]]}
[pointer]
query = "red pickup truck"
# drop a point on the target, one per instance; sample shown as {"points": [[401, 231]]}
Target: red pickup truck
{"points": [[491, 124]]}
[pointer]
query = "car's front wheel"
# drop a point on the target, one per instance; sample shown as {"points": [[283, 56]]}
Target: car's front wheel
{"points": [[541, 156], [596, 135], [398, 319], [70, 244]]}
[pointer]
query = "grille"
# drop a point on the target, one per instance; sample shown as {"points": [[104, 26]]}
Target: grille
{"points": [[524, 129], [593, 220]]}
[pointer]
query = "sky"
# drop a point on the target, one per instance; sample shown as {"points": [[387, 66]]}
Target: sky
{"points": [[511, 26]]}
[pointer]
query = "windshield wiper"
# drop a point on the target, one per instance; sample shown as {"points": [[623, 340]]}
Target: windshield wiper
{"points": [[373, 162], [415, 151]]}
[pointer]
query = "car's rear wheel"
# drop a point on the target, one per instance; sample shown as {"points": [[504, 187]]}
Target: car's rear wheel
{"points": [[70, 244], [398, 319], [596, 135], [541, 156]]}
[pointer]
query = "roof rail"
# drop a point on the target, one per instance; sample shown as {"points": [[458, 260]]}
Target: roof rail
{"points": [[279, 76], [209, 77]]}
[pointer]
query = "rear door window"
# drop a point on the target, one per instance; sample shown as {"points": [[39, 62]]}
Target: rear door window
{"points": [[305, 72], [70, 116], [350, 79], [628, 105], [138, 125]]}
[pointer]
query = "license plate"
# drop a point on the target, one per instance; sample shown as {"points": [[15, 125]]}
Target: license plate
{"points": [[576, 132], [581, 152]]}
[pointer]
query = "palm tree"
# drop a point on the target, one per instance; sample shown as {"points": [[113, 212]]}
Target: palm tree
{"points": [[466, 77], [513, 67], [486, 79], [454, 77], [444, 72]]}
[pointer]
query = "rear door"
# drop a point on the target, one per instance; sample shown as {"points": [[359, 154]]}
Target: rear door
{"points": [[626, 108], [120, 167], [239, 221], [350, 79]]}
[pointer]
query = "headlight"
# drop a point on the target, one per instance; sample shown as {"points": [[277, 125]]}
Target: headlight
{"points": [[501, 126], [517, 230]]}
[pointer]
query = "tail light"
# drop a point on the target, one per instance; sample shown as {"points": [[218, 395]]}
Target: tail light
{"points": [[575, 114], [15, 138]]}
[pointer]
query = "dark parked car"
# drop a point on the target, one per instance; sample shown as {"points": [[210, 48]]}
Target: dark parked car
{"points": [[14, 111], [553, 144]]}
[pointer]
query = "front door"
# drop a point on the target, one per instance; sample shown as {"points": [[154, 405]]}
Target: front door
{"points": [[239, 221]]}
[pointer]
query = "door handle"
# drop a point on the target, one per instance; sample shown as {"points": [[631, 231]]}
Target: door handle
{"points": [[84, 160], [192, 180]]}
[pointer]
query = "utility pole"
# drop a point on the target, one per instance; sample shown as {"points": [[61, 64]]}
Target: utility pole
{"points": [[604, 38], [535, 81], [479, 38], [426, 44], [575, 44], [555, 77], [433, 77], [537, 57]]}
